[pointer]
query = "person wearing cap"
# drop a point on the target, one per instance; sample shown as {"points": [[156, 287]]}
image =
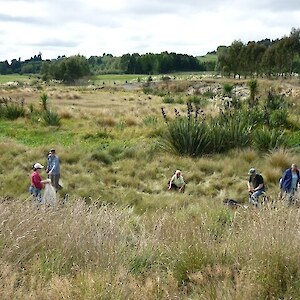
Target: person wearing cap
{"points": [[37, 184], [290, 180], [53, 169], [177, 182], [255, 186]]}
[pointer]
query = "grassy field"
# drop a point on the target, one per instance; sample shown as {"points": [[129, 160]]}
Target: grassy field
{"points": [[208, 58], [14, 78], [122, 234]]}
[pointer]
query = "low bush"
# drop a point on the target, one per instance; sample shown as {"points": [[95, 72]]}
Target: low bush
{"points": [[265, 139], [168, 100], [13, 111], [51, 118], [102, 156], [194, 135]]}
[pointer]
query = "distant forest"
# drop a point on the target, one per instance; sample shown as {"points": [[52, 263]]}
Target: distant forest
{"points": [[262, 58]]}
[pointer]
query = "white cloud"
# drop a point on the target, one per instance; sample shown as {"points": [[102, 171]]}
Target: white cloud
{"points": [[92, 27]]}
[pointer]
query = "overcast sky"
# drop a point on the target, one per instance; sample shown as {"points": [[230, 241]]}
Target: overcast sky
{"points": [[94, 27]]}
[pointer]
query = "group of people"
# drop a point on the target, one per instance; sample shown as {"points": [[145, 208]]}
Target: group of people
{"points": [[289, 183], [53, 172], [256, 186]]}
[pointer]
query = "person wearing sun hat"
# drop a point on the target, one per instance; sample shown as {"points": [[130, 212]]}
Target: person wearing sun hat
{"points": [[53, 169], [255, 186], [37, 184]]}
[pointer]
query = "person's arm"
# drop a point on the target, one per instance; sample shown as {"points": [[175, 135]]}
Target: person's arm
{"points": [[283, 180], [250, 189], [48, 164], [260, 186], [171, 181]]}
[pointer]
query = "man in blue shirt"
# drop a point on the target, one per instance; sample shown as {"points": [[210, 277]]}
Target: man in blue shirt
{"points": [[53, 169]]}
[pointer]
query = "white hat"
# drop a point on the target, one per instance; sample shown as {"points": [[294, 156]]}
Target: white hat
{"points": [[38, 166]]}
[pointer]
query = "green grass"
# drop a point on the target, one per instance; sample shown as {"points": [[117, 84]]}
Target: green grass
{"points": [[14, 77], [208, 58], [32, 135], [117, 78]]}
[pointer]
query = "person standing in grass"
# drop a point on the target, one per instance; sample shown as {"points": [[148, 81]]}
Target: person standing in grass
{"points": [[37, 184], [53, 169], [177, 182], [256, 186], [289, 182]]}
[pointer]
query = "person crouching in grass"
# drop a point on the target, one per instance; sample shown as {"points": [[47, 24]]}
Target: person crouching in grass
{"points": [[177, 182]]}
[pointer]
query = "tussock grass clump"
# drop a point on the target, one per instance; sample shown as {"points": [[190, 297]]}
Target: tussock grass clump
{"points": [[279, 158], [66, 114], [108, 121]]}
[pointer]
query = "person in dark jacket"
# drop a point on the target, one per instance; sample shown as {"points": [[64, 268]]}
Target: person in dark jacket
{"points": [[290, 180], [256, 186]]}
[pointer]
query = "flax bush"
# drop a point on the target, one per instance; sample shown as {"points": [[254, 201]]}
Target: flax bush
{"points": [[265, 139], [13, 111], [51, 118], [195, 136]]}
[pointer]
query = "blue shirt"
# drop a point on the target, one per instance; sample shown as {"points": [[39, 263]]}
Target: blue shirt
{"points": [[287, 180], [53, 165]]}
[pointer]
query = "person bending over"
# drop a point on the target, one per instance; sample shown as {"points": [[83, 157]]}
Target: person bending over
{"points": [[177, 182], [256, 186]]}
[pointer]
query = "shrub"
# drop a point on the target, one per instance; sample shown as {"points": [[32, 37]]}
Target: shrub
{"points": [[102, 156], [192, 135], [44, 101], [186, 136], [253, 86], [168, 99], [194, 99], [150, 120], [13, 111], [227, 89], [51, 118], [278, 118], [265, 139], [208, 94], [275, 101]]}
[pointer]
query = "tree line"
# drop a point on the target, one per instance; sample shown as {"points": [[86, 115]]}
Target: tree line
{"points": [[264, 58]]}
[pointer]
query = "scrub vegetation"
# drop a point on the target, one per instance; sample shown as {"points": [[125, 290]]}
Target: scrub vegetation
{"points": [[122, 234]]}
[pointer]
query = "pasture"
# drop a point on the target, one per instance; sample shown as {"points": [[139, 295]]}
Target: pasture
{"points": [[122, 234]]}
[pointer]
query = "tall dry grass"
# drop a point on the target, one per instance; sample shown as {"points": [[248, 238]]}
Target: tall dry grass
{"points": [[106, 252]]}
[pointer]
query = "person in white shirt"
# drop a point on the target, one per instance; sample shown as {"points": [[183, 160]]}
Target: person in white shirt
{"points": [[177, 182]]}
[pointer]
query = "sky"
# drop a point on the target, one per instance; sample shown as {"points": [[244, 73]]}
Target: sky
{"points": [[93, 27]]}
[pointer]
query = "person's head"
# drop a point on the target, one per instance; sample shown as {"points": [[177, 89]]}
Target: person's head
{"points": [[38, 167], [52, 152], [252, 172], [178, 173], [294, 167]]}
